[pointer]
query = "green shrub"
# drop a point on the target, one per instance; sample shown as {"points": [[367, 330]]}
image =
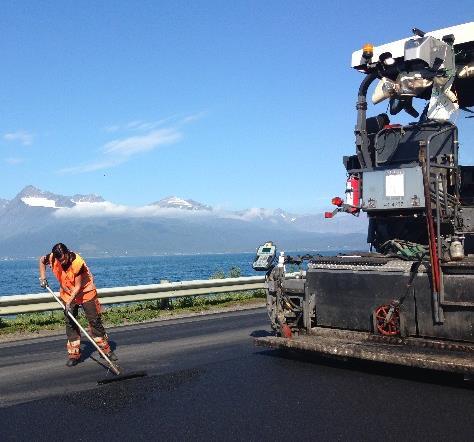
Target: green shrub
{"points": [[218, 274], [235, 272], [187, 301]]}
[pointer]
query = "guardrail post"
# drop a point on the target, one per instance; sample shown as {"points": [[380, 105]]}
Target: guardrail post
{"points": [[164, 304]]}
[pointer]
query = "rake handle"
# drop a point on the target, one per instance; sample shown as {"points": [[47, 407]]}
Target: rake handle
{"points": [[111, 364]]}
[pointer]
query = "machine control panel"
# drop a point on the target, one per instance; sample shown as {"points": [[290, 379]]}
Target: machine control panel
{"points": [[391, 189], [265, 257]]}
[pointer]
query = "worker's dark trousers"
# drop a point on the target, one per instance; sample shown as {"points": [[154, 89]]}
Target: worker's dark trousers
{"points": [[92, 311]]}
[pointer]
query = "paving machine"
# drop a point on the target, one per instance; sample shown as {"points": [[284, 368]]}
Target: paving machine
{"points": [[410, 299]]}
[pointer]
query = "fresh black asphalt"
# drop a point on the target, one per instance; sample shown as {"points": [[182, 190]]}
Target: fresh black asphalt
{"points": [[207, 381]]}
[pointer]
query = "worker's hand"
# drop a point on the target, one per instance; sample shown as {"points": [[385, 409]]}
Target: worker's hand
{"points": [[43, 283], [69, 307]]}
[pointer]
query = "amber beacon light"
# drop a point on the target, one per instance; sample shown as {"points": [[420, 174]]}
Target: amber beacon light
{"points": [[368, 50]]}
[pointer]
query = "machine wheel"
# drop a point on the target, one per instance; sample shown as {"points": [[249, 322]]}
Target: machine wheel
{"points": [[387, 320]]}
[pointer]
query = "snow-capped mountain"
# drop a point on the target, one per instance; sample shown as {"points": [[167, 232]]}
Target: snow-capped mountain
{"points": [[342, 223], [90, 198], [35, 219], [174, 202], [262, 214], [34, 197]]}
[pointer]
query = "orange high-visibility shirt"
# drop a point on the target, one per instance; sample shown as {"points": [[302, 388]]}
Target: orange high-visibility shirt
{"points": [[67, 278]]}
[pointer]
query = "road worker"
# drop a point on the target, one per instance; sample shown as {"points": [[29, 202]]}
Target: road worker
{"points": [[76, 289]]}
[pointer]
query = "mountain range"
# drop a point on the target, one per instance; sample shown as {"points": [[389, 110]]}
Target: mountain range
{"points": [[35, 219]]}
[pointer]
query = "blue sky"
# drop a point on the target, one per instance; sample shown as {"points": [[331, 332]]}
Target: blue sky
{"points": [[234, 104]]}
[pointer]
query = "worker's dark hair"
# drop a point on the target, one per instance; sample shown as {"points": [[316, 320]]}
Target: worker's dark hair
{"points": [[59, 250]]}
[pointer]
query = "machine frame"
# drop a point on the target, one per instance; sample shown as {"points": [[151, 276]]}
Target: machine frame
{"points": [[410, 300]]}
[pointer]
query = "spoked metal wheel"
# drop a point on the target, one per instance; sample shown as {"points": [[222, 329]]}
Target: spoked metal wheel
{"points": [[387, 320]]}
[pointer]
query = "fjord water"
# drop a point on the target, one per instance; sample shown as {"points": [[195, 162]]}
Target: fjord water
{"points": [[21, 276]]}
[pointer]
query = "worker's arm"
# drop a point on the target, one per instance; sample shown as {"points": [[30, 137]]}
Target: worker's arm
{"points": [[42, 270]]}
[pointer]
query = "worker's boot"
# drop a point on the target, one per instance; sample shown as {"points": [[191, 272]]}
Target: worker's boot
{"points": [[72, 362], [103, 344], [73, 352]]}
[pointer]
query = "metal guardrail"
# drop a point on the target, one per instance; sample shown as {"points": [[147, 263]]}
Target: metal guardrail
{"points": [[39, 302]]}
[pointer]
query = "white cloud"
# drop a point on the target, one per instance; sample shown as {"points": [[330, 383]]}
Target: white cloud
{"points": [[112, 128], [121, 150], [14, 161], [21, 136], [92, 167], [107, 209], [193, 117], [143, 126], [133, 124], [86, 210], [256, 213], [139, 125], [143, 143]]}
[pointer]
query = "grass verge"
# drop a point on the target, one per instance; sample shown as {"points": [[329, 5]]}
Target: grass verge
{"points": [[131, 313]]}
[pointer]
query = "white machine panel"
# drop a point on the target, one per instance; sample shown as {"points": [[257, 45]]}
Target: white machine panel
{"points": [[462, 34], [391, 189]]}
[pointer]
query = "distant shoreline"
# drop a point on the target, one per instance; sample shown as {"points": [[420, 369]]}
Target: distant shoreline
{"points": [[9, 258], [335, 250]]}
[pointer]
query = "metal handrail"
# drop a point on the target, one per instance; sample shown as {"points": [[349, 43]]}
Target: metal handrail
{"points": [[38, 302]]}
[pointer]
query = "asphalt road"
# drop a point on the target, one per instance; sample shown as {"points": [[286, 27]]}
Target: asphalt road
{"points": [[206, 380]]}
